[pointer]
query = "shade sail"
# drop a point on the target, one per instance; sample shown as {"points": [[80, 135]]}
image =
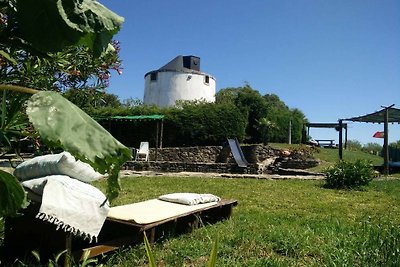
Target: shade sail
{"points": [[379, 116]]}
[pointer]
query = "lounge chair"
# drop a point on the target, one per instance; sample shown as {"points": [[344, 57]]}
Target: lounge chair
{"points": [[143, 152], [125, 225]]}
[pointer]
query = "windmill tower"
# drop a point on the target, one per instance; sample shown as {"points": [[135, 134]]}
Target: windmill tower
{"points": [[180, 79]]}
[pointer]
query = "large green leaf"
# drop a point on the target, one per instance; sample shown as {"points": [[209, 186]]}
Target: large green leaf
{"points": [[51, 25], [12, 195], [62, 124]]}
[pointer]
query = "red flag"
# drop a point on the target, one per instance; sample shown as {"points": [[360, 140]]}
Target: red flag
{"points": [[379, 135]]}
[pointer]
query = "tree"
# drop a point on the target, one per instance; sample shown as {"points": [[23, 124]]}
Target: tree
{"points": [[132, 102], [372, 148], [268, 118], [395, 144], [75, 67], [354, 145], [227, 95], [298, 122], [68, 23], [265, 126], [89, 98], [251, 105]]}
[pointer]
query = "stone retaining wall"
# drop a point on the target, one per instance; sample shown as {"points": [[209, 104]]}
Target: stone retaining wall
{"points": [[217, 159], [201, 167], [262, 159], [205, 154], [212, 154]]}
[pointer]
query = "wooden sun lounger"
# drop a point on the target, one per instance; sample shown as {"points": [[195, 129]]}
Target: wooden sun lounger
{"points": [[26, 233]]}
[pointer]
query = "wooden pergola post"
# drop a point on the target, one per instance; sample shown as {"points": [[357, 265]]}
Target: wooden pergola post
{"points": [[340, 139], [157, 137], [386, 143]]}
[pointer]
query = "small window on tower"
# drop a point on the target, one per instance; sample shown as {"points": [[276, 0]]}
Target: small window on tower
{"points": [[207, 79], [153, 76]]}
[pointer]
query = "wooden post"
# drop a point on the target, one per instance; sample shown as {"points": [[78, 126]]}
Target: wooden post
{"points": [[340, 139], [386, 143], [161, 132], [68, 248], [157, 135]]}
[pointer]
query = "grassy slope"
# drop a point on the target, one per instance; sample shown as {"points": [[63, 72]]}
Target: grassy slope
{"points": [[329, 156]]}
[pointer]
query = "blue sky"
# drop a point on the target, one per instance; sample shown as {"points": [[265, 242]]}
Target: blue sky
{"points": [[329, 58]]}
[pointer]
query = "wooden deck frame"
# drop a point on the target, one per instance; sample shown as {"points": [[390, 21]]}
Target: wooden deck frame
{"points": [[27, 233]]}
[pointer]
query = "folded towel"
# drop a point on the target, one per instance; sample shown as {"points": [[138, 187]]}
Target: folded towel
{"points": [[72, 205]]}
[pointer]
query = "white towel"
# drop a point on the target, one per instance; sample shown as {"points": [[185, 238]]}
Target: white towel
{"points": [[73, 206]]}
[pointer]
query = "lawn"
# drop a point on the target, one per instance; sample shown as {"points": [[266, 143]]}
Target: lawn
{"points": [[277, 223]]}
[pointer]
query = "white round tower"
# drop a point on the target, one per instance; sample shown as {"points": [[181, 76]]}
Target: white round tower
{"points": [[180, 79]]}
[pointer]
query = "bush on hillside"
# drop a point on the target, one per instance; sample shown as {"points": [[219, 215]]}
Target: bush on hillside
{"points": [[372, 148], [354, 145], [349, 175]]}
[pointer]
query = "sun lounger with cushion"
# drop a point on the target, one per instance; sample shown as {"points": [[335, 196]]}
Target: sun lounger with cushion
{"points": [[66, 213], [125, 225]]}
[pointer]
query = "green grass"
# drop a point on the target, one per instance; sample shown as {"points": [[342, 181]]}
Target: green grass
{"points": [[277, 223]]}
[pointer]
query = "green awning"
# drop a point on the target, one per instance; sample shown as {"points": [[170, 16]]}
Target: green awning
{"points": [[133, 118]]}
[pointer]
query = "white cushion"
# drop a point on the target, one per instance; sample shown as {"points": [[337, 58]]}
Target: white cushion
{"points": [[35, 185], [56, 164], [189, 198]]}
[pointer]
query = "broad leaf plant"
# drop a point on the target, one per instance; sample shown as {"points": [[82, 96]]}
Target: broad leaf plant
{"points": [[48, 26]]}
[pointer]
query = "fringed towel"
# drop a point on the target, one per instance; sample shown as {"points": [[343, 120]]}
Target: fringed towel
{"points": [[73, 206]]}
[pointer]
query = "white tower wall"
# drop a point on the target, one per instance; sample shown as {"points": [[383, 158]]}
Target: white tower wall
{"points": [[169, 86]]}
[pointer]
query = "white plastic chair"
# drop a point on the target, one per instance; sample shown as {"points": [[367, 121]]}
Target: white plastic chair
{"points": [[143, 152]]}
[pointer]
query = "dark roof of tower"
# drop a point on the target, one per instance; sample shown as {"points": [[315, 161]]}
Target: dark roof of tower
{"points": [[183, 63]]}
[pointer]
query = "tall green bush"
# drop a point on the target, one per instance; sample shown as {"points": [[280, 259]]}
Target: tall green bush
{"points": [[190, 124], [203, 124], [268, 117], [354, 145], [348, 175]]}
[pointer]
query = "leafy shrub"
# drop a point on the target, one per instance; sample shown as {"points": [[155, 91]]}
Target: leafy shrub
{"points": [[372, 148], [349, 175], [190, 124], [354, 145]]}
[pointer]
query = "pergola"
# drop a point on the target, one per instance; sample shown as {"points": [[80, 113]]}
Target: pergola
{"points": [[386, 115], [327, 125], [158, 119]]}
